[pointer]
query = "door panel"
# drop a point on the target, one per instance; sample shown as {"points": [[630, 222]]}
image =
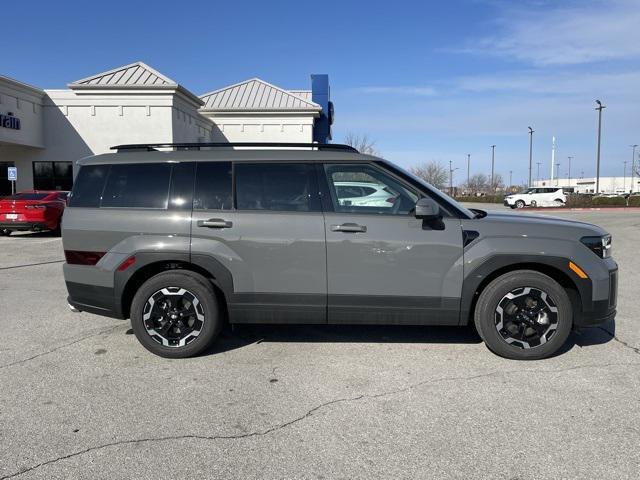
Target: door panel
{"points": [[383, 264]]}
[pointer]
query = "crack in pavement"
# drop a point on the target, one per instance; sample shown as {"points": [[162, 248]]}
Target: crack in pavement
{"points": [[620, 341], [41, 354], [31, 264], [308, 414]]}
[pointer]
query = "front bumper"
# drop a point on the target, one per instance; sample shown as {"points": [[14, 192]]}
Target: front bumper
{"points": [[601, 311]]}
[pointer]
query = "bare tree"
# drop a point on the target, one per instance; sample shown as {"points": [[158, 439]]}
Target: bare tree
{"points": [[498, 183], [433, 172], [478, 183], [361, 143]]}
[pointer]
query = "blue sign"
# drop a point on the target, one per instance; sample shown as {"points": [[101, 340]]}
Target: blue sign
{"points": [[12, 174], [9, 121]]}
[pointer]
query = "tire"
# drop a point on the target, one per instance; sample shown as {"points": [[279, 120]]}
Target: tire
{"points": [[558, 202], [5, 232], [534, 204], [176, 291], [520, 204], [495, 302]]}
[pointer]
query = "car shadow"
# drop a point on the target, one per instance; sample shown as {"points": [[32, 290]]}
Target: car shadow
{"points": [[242, 335], [29, 235], [589, 336]]}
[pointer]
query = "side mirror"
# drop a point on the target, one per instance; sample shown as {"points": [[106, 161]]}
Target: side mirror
{"points": [[427, 209]]}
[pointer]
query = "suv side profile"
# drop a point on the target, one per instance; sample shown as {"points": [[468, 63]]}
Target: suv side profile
{"points": [[183, 241], [537, 197]]}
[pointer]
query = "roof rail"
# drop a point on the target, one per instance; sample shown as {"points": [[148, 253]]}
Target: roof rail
{"points": [[197, 146]]}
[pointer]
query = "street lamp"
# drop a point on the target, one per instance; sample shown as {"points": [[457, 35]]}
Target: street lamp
{"points": [[493, 159], [624, 177], [538, 172], [557, 173], [600, 107], [569, 173], [633, 165], [510, 179], [468, 167], [531, 130]]}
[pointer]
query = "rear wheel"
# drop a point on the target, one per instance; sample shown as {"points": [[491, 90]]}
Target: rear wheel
{"points": [[5, 232], [524, 315], [534, 204], [175, 314], [520, 204]]}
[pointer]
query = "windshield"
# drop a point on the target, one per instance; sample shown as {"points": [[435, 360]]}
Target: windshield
{"points": [[434, 191]]}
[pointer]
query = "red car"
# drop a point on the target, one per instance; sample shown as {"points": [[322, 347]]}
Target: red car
{"points": [[32, 210]]}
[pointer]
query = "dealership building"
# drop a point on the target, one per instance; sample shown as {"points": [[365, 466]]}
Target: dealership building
{"points": [[43, 132]]}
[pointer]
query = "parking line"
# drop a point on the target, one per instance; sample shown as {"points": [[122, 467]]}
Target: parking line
{"points": [[31, 264]]}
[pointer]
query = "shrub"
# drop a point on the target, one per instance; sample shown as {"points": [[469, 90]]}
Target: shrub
{"points": [[579, 201], [609, 201], [634, 201], [484, 199]]}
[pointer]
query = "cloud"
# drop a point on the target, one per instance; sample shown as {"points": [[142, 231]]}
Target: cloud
{"points": [[398, 90], [586, 33]]}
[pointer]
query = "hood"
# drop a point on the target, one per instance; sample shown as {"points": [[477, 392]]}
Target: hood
{"points": [[532, 225]]}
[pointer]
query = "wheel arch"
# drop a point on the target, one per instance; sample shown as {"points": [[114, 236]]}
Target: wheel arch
{"points": [[554, 267], [150, 265]]}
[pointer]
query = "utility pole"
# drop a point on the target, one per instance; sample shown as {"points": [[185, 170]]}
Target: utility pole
{"points": [[493, 158], [599, 109], [451, 170], [468, 168], [531, 130], [633, 165], [569, 174]]}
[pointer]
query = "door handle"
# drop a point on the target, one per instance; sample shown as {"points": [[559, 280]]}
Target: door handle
{"points": [[349, 228], [215, 223]]}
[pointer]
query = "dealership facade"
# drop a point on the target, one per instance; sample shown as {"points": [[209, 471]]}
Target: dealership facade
{"points": [[43, 132]]}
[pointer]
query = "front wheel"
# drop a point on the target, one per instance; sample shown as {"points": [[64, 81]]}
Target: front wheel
{"points": [[175, 314], [5, 232], [520, 204], [524, 315]]}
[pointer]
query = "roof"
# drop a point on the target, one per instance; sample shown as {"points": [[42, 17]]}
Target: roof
{"points": [[304, 94], [255, 94], [224, 154], [137, 74]]}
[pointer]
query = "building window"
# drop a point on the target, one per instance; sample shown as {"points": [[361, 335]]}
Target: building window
{"points": [[52, 175]]}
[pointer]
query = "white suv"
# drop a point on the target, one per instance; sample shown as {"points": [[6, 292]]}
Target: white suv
{"points": [[364, 194], [537, 197]]}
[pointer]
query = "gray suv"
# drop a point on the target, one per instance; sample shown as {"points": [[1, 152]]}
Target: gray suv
{"points": [[183, 240]]}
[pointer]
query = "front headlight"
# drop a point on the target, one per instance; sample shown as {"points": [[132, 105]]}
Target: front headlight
{"points": [[601, 246]]}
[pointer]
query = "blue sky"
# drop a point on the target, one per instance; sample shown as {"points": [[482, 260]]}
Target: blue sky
{"points": [[427, 80]]}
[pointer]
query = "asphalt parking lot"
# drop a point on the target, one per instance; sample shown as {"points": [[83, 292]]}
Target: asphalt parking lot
{"points": [[80, 398]]}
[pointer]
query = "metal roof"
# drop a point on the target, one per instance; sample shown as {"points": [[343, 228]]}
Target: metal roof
{"points": [[304, 94], [255, 94], [137, 74]]}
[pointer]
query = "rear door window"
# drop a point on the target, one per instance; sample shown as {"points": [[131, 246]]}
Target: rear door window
{"points": [[88, 186], [140, 185], [213, 186], [281, 187]]}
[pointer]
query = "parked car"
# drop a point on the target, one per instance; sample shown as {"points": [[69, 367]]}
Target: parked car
{"points": [[34, 210], [183, 241], [537, 197], [364, 194]]}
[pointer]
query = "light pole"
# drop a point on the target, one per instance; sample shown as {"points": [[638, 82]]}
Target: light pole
{"points": [[569, 173], [557, 173], [510, 179], [451, 170], [538, 171], [493, 161], [531, 130], [468, 168], [624, 177], [633, 165], [599, 109]]}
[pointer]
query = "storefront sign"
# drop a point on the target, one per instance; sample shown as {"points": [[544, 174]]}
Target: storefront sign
{"points": [[9, 121]]}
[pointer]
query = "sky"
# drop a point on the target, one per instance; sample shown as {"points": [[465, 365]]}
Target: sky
{"points": [[426, 80]]}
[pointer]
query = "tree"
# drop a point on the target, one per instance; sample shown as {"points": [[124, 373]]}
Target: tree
{"points": [[498, 183], [361, 143], [477, 183], [433, 172]]}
